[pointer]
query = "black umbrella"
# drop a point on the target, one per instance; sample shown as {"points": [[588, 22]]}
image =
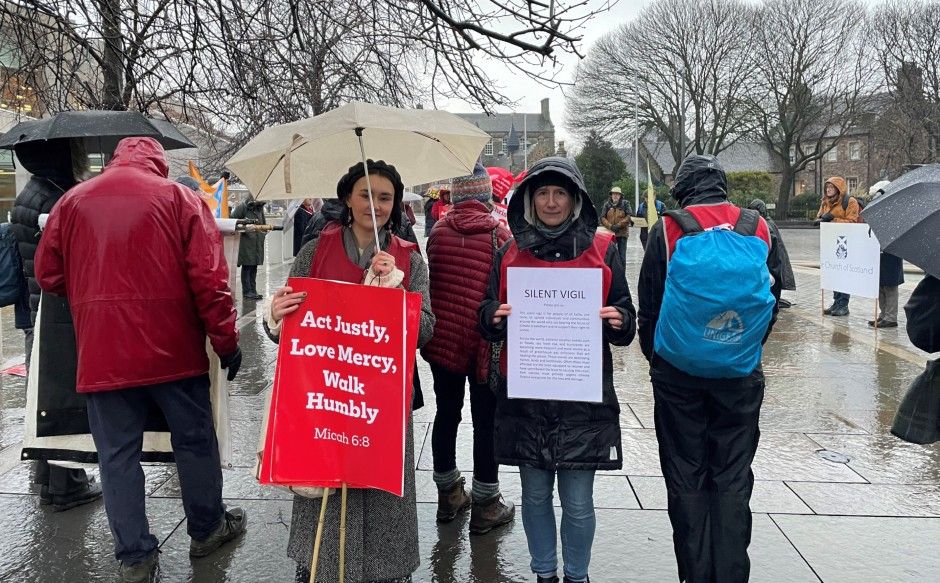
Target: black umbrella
{"points": [[906, 218], [100, 130]]}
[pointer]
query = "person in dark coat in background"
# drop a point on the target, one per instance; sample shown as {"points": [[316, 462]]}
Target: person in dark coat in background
{"points": [[788, 278], [302, 218], [56, 166], [707, 428], [432, 196], [460, 254], [553, 220], [250, 247]]}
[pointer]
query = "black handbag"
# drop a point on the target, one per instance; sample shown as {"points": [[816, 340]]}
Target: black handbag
{"points": [[918, 417]]}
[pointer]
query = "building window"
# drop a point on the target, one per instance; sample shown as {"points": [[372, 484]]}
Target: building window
{"points": [[498, 147], [852, 183], [488, 148], [833, 154], [855, 150], [792, 154]]}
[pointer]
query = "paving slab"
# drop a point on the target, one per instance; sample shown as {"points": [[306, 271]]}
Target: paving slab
{"points": [[870, 499], [844, 549], [38, 545], [793, 456], [630, 545], [767, 497], [260, 555], [885, 459]]}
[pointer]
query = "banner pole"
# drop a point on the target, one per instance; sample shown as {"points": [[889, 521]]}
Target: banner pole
{"points": [[876, 315], [316, 541], [342, 536]]}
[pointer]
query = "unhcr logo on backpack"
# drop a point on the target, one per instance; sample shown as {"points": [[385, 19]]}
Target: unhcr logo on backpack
{"points": [[726, 327]]}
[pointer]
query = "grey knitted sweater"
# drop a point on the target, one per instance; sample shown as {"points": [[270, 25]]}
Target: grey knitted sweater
{"points": [[381, 528]]}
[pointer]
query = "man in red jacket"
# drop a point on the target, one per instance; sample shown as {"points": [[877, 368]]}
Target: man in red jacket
{"points": [[460, 255], [140, 259]]}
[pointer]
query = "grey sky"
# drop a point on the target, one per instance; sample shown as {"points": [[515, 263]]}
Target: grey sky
{"points": [[529, 93]]}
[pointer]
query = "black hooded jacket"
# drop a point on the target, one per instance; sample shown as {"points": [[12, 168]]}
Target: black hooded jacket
{"points": [[559, 434], [700, 181], [50, 163]]}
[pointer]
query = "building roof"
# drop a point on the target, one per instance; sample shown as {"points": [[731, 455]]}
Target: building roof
{"points": [[503, 122], [738, 157]]}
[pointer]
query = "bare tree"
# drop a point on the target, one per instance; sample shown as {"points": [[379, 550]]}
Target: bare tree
{"points": [[140, 53], [815, 72], [907, 42], [685, 63]]}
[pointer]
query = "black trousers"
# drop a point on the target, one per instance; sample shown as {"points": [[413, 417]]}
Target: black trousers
{"points": [[117, 421], [707, 441], [249, 277], [449, 389]]}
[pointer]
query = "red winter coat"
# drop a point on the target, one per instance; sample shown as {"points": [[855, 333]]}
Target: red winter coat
{"points": [[460, 257], [140, 259]]}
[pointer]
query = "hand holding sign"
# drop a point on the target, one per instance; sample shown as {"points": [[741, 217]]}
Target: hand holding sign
{"points": [[342, 386]]}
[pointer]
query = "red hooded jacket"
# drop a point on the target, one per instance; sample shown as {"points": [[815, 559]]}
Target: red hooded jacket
{"points": [[460, 257], [140, 259]]}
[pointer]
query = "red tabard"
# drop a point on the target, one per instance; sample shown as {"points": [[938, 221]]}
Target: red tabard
{"points": [[331, 262], [709, 216], [592, 257]]}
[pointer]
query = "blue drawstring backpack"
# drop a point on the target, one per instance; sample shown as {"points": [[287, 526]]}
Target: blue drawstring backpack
{"points": [[717, 304]]}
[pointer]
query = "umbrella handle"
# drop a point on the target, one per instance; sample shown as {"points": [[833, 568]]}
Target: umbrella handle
{"points": [[365, 166]]}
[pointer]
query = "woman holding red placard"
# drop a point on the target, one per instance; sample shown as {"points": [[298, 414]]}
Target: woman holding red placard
{"points": [[381, 528]]}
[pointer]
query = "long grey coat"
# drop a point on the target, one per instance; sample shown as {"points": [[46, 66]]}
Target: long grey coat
{"points": [[381, 528], [250, 245]]}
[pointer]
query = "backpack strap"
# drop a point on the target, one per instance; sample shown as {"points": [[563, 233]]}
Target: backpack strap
{"points": [[747, 224], [686, 221]]}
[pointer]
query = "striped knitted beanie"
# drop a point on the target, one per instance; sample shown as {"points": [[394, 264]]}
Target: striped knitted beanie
{"points": [[477, 186]]}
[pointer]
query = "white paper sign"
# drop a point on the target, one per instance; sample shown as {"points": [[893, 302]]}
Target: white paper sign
{"points": [[554, 333], [849, 259]]}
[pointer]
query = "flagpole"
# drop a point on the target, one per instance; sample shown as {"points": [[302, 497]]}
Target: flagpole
{"points": [[636, 147]]}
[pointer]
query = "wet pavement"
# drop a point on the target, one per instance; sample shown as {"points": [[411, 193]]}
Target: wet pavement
{"points": [[836, 498]]}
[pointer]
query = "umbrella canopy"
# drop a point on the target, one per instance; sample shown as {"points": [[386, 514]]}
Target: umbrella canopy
{"points": [[410, 196], [906, 218], [100, 130], [306, 158]]}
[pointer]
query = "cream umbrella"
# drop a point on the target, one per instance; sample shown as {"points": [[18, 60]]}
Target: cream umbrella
{"points": [[306, 158]]}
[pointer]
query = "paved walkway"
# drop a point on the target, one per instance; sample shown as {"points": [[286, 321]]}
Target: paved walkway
{"points": [[833, 388]]}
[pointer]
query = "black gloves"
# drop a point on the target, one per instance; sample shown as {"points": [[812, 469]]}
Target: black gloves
{"points": [[232, 362], [826, 218]]}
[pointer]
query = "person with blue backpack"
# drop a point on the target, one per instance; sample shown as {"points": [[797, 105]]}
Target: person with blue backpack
{"points": [[708, 292]]}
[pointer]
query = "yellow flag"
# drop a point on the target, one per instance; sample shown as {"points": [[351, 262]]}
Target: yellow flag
{"points": [[651, 215]]}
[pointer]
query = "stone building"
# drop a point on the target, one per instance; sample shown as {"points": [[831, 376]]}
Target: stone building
{"points": [[515, 137]]}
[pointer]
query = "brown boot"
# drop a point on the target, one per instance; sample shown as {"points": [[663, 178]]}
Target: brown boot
{"points": [[451, 501], [490, 513]]}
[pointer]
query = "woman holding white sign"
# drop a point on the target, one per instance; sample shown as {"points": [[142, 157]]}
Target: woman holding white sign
{"points": [[554, 225], [381, 528]]}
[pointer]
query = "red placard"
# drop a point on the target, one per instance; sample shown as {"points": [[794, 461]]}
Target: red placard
{"points": [[342, 388]]}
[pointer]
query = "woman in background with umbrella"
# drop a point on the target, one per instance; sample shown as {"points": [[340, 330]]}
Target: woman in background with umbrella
{"points": [[381, 528]]}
